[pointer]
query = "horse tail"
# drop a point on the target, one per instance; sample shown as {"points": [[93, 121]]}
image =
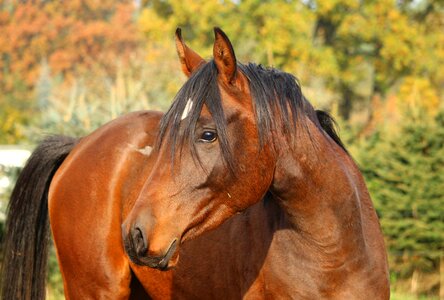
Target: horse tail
{"points": [[27, 235]]}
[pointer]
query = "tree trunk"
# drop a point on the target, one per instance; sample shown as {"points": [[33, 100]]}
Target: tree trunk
{"points": [[414, 283], [441, 278], [345, 105]]}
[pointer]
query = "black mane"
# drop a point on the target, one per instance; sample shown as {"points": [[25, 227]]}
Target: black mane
{"points": [[277, 99]]}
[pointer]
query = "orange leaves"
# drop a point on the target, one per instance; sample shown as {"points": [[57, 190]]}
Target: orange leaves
{"points": [[72, 39], [69, 35], [61, 61]]}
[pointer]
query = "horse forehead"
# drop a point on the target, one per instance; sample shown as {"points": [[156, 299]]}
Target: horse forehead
{"points": [[237, 99]]}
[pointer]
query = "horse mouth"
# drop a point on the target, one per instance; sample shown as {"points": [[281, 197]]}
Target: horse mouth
{"points": [[163, 263]]}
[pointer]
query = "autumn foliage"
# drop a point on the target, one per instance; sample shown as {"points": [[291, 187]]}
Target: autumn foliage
{"points": [[378, 66], [72, 36]]}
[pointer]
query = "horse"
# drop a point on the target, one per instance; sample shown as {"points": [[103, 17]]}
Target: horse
{"points": [[82, 186], [241, 178], [234, 134]]}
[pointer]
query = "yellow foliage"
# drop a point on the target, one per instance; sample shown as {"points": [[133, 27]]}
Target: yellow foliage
{"points": [[418, 93], [154, 27]]}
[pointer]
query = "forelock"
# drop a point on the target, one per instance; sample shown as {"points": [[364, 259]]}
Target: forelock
{"points": [[179, 123]]}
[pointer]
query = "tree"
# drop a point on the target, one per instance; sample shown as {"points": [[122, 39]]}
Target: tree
{"points": [[405, 175], [73, 37]]}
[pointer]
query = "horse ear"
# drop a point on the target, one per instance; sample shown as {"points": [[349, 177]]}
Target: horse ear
{"points": [[224, 56], [189, 59]]}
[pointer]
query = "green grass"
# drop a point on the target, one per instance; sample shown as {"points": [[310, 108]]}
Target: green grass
{"points": [[406, 296]]}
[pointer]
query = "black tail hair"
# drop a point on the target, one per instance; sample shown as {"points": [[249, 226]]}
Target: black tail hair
{"points": [[27, 235], [329, 125]]}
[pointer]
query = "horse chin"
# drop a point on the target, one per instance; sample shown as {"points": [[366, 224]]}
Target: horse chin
{"points": [[171, 257]]}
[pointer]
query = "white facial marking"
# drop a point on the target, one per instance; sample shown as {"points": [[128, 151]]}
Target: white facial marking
{"points": [[187, 109], [145, 151]]}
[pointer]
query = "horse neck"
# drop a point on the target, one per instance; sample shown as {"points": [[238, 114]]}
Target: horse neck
{"points": [[321, 190]]}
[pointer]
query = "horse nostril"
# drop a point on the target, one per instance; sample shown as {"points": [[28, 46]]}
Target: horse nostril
{"points": [[139, 241]]}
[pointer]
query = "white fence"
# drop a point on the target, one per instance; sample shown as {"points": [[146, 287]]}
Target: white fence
{"points": [[10, 157]]}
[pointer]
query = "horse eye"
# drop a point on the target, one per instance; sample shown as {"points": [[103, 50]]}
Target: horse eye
{"points": [[208, 136]]}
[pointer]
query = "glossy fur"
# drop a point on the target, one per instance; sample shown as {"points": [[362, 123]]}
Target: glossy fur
{"points": [[318, 236], [145, 207]]}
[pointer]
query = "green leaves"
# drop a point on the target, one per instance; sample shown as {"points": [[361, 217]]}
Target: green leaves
{"points": [[405, 175]]}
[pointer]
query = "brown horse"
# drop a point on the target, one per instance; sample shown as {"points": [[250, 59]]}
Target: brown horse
{"points": [[91, 189], [240, 152], [234, 134]]}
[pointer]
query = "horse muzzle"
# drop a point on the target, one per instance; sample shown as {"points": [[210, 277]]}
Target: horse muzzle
{"points": [[138, 250]]}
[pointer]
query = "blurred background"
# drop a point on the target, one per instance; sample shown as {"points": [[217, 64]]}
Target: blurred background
{"points": [[67, 67]]}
